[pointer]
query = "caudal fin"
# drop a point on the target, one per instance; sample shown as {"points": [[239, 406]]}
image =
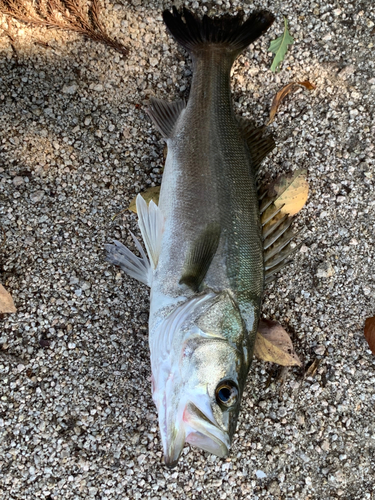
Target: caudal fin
{"points": [[228, 31]]}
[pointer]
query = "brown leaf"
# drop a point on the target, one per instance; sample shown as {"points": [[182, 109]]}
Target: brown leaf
{"points": [[273, 344], [148, 195], [370, 333], [6, 301], [292, 192], [283, 93]]}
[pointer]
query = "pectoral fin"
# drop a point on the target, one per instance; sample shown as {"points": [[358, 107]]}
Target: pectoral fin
{"points": [[200, 256]]}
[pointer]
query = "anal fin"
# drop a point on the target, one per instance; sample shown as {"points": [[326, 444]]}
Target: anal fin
{"points": [[200, 256], [165, 114]]}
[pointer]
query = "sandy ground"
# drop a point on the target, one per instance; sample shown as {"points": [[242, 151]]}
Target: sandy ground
{"points": [[76, 415]]}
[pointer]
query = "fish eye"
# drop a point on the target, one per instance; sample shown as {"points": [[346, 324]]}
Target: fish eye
{"points": [[227, 393]]}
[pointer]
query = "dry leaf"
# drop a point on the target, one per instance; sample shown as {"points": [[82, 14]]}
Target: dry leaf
{"points": [[370, 333], [292, 191], [6, 301], [273, 344], [284, 92], [151, 194]]}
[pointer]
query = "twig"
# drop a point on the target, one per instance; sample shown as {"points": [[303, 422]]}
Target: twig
{"points": [[69, 15], [119, 213]]}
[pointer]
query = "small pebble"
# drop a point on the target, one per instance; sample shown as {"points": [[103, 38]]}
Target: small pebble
{"points": [[260, 474], [18, 181], [69, 89], [36, 196], [325, 270]]}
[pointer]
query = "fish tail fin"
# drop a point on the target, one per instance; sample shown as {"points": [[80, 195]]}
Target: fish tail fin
{"points": [[194, 34]]}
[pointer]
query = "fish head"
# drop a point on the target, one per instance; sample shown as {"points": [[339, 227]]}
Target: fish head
{"points": [[197, 388]]}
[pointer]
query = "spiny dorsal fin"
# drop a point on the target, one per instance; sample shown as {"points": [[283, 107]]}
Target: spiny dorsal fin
{"points": [[258, 144], [277, 236], [200, 256], [165, 115], [279, 203]]}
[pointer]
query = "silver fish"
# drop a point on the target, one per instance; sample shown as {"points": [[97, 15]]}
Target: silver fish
{"points": [[204, 242]]}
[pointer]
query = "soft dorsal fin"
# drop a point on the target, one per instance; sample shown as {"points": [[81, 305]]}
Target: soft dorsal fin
{"points": [[200, 256], [260, 146], [165, 115]]}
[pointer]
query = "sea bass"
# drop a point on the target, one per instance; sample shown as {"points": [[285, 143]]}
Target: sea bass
{"points": [[204, 242]]}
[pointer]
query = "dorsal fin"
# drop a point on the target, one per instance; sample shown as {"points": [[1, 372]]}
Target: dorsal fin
{"points": [[200, 256], [165, 115], [280, 202], [259, 145]]}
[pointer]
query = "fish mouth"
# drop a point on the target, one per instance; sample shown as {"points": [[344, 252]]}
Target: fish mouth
{"points": [[198, 429]]}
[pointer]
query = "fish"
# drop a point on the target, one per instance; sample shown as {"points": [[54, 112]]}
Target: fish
{"points": [[204, 257]]}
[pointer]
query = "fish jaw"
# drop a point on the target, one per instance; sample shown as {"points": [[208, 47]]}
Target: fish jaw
{"points": [[173, 437], [191, 425], [204, 432]]}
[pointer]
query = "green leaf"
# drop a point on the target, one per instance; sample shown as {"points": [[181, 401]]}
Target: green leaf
{"points": [[279, 47]]}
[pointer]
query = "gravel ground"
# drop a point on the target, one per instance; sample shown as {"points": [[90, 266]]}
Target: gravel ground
{"points": [[76, 415]]}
